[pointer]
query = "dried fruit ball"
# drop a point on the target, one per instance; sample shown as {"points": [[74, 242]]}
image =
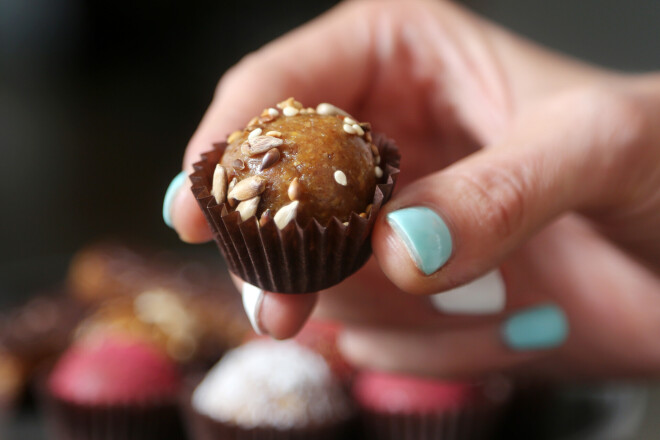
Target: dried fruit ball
{"points": [[299, 164]]}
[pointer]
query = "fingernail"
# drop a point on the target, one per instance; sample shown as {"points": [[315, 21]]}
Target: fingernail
{"points": [[171, 192], [252, 299], [425, 235], [537, 328], [483, 296]]}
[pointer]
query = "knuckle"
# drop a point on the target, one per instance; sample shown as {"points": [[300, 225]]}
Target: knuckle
{"points": [[495, 196]]}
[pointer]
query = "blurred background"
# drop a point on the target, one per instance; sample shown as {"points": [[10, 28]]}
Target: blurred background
{"points": [[99, 98]]}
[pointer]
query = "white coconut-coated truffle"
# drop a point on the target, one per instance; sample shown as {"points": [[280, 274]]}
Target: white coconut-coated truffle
{"points": [[272, 384]]}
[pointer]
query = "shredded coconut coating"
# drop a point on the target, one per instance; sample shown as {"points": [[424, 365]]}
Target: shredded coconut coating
{"points": [[272, 384]]}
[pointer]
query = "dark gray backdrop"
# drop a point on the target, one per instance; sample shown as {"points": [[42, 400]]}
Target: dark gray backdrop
{"points": [[98, 98]]}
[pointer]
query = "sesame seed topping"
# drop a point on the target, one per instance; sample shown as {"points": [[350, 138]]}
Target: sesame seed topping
{"points": [[378, 172], [286, 214], [265, 217], [349, 120], [290, 111], [377, 160], [274, 133], [235, 135], [260, 144], [219, 189], [363, 215], [340, 178], [248, 208], [289, 102], [254, 133], [349, 129], [330, 110], [358, 130], [273, 112], [253, 121], [270, 158], [248, 188], [294, 189], [238, 164], [345, 223]]}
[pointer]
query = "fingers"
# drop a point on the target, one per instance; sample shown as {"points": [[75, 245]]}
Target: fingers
{"points": [[524, 336], [595, 314], [454, 225], [278, 315]]}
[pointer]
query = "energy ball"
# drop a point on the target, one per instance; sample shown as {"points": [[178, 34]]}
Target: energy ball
{"points": [[303, 163]]}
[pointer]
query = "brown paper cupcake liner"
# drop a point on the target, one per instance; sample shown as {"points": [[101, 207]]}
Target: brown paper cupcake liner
{"points": [[479, 423], [157, 420], [298, 258], [202, 427]]}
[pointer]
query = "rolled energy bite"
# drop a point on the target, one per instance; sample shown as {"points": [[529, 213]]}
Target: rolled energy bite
{"points": [[293, 196]]}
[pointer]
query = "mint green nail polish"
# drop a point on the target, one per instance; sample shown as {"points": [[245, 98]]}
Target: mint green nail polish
{"points": [[536, 328], [425, 235], [169, 196]]}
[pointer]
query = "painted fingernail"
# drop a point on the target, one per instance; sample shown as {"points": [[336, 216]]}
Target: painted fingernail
{"points": [[171, 192], [537, 328], [425, 235], [483, 296], [252, 300]]}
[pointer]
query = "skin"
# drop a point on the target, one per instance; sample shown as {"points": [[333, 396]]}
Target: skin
{"points": [[543, 166]]}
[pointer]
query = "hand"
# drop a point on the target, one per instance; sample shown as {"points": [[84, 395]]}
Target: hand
{"points": [[513, 157]]}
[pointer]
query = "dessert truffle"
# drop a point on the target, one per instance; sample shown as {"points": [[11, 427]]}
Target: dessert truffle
{"points": [[270, 387], [386, 392], [299, 163], [293, 197], [112, 388], [113, 371], [420, 408]]}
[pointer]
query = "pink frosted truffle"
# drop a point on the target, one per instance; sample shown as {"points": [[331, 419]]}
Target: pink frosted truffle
{"points": [[393, 393], [114, 371]]}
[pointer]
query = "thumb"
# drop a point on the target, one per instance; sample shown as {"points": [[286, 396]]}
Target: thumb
{"points": [[452, 226]]}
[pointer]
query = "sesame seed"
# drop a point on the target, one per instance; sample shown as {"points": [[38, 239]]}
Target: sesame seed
{"points": [[254, 133], [290, 111], [350, 121], [219, 188], [329, 110], [378, 172], [253, 121], [377, 159], [358, 130], [248, 208], [274, 133], [286, 214], [294, 189], [273, 112], [349, 129], [340, 178], [235, 135]]}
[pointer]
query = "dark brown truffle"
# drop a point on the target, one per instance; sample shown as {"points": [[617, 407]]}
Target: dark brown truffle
{"points": [[299, 163]]}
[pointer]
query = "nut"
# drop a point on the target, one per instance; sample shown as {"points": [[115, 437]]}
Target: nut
{"points": [[248, 208], [286, 214], [248, 188], [219, 188]]}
